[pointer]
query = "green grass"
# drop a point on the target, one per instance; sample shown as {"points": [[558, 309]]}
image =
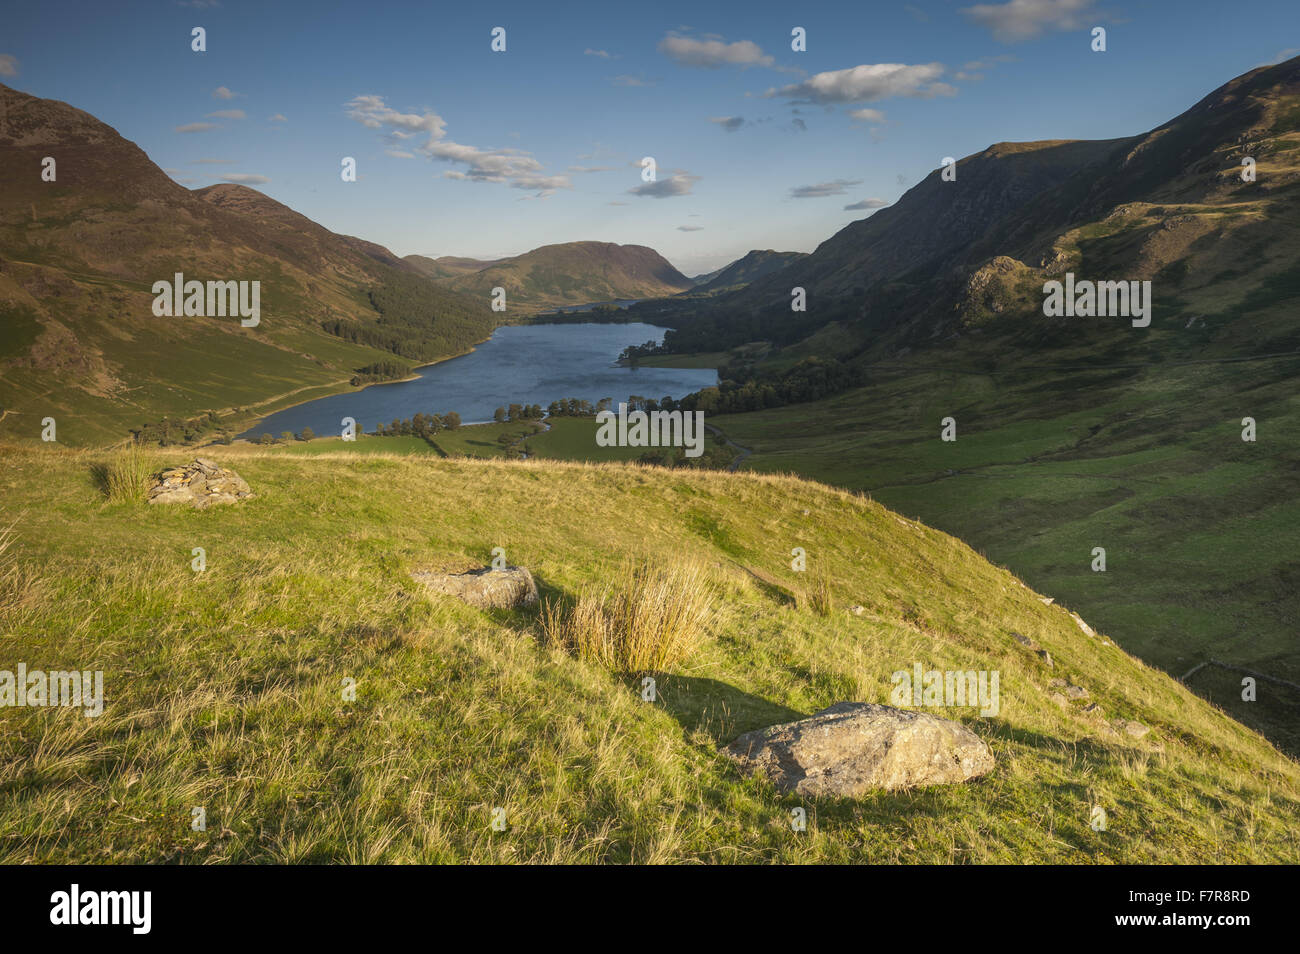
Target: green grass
{"points": [[225, 689], [1199, 527]]}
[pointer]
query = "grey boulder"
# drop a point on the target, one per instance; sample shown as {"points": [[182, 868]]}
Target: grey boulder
{"points": [[488, 588], [852, 748]]}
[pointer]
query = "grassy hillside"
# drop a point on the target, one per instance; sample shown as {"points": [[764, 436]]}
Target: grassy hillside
{"points": [[224, 687], [1148, 462]]}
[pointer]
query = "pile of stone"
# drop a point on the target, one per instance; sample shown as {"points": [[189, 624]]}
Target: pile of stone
{"points": [[201, 483]]}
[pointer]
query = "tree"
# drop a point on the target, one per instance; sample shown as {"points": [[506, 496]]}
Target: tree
{"points": [[306, 434], [286, 436], [268, 439], [499, 415], [452, 420]]}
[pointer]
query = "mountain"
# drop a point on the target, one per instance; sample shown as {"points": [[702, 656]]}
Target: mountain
{"points": [[448, 266], [574, 273], [949, 257], [79, 257], [751, 267]]}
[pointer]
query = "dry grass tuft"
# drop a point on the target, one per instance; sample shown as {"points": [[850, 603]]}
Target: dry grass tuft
{"points": [[125, 478], [648, 620]]}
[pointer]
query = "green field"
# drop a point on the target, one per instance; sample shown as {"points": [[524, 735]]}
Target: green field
{"points": [[1199, 527], [568, 438], [225, 688]]}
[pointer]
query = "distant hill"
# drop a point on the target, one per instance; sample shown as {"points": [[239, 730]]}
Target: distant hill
{"points": [[80, 255], [753, 266], [573, 273], [448, 266]]}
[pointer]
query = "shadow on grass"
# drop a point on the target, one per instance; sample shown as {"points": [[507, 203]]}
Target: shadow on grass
{"points": [[719, 710]]}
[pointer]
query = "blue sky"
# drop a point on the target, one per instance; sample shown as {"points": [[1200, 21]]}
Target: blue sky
{"points": [[464, 151]]}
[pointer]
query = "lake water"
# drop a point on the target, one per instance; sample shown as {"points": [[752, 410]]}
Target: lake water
{"points": [[522, 364]]}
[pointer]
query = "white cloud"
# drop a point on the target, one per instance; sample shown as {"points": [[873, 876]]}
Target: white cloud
{"points": [[1019, 20], [592, 168], [196, 127], [629, 80], [713, 53], [867, 84], [690, 228], [513, 167], [674, 185], [278, 118], [821, 189], [867, 115], [603, 54], [224, 92], [244, 178], [867, 204], [729, 123], [227, 114], [399, 153], [8, 64]]}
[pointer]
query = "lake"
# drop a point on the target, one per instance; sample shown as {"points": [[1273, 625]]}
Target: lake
{"points": [[519, 364]]}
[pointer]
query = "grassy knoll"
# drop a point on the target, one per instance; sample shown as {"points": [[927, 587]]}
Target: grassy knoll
{"points": [[224, 689], [1199, 527]]}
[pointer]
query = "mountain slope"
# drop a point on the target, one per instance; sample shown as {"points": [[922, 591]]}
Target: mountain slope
{"points": [[574, 273], [80, 255], [744, 270], [225, 690], [1169, 205]]}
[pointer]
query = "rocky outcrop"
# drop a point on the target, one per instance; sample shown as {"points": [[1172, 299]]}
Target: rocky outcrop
{"points": [[852, 748], [202, 483], [488, 588]]}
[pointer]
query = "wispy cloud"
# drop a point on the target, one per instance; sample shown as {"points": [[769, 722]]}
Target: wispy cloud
{"points": [[867, 84], [513, 167], [713, 53], [603, 54], [675, 185], [227, 114], [627, 79], [278, 118], [867, 115], [1019, 20], [8, 64], [245, 178], [196, 127], [729, 123], [866, 204], [224, 92], [1281, 57], [211, 162], [822, 189], [690, 228]]}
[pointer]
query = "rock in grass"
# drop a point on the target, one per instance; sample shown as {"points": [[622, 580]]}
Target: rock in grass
{"points": [[852, 748], [201, 483], [488, 588]]}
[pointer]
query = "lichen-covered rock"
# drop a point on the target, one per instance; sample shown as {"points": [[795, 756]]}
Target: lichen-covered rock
{"points": [[852, 748], [201, 483], [488, 588]]}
